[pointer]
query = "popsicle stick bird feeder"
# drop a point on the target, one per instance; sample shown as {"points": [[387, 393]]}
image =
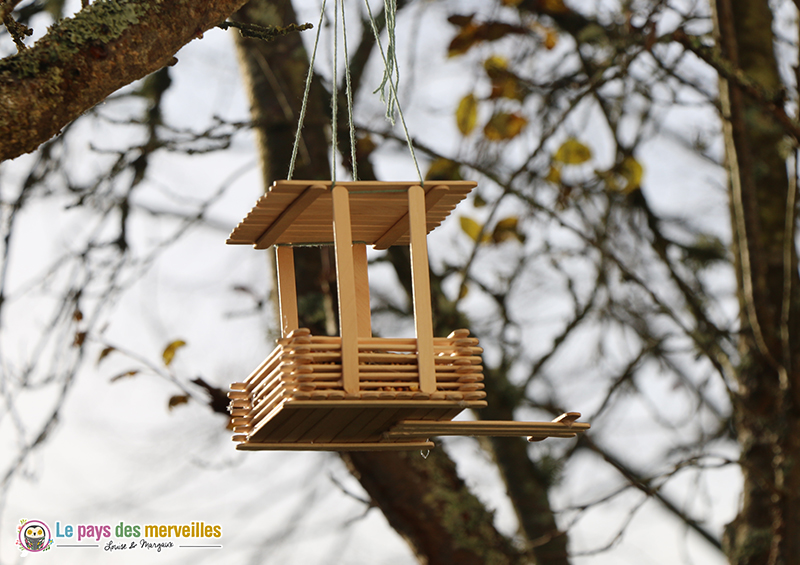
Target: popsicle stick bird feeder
{"points": [[355, 391]]}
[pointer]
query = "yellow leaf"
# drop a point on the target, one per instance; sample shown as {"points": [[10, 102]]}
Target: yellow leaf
{"points": [[572, 152], [471, 227], [444, 169], [463, 291], [507, 229], [177, 400], [632, 171], [495, 62], [503, 126], [467, 114], [554, 174], [169, 351]]}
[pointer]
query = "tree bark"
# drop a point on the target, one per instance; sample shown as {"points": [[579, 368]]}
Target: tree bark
{"points": [[83, 59], [767, 402]]}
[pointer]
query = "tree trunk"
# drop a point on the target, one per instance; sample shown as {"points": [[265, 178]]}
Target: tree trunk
{"points": [[767, 402]]}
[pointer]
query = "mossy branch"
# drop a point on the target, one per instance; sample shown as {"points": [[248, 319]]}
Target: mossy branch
{"points": [[267, 33], [83, 59], [17, 31]]}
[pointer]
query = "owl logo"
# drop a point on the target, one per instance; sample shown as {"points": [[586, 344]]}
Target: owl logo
{"points": [[34, 536]]}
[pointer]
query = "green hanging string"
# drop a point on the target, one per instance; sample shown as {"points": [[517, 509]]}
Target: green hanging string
{"points": [[390, 68], [349, 91], [307, 89], [391, 78]]}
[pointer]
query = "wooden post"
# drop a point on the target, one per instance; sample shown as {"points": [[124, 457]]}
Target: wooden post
{"points": [[287, 289], [346, 284], [362, 289], [421, 288]]}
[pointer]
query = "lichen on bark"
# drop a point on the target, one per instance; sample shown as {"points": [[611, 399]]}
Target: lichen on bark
{"points": [[82, 60]]}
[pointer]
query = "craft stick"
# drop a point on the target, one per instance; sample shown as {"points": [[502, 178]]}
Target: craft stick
{"points": [[297, 429], [361, 274], [401, 227], [345, 275], [348, 446], [286, 218], [421, 288], [266, 364], [287, 289], [568, 418], [332, 425]]}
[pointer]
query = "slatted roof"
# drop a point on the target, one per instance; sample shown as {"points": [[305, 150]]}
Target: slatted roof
{"points": [[300, 212]]}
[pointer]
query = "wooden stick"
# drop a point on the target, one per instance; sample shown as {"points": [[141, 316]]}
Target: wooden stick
{"points": [[346, 285], [350, 446], [291, 213], [287, 289], [421, 288], [362, 290], [401, 227]]}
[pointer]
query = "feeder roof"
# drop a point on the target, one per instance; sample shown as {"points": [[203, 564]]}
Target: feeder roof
{"points": [[300, 212]]}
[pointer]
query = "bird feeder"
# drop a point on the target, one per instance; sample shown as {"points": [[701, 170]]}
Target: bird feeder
{"points": [[356, 391]]}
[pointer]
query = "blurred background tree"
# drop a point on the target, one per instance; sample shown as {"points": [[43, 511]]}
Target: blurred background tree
{"points": [[630, 252]]}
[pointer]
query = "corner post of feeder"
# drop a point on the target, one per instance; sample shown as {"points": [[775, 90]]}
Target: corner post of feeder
{"points": [[345, 275], [287, 289], [421, 288], [361, 267]]}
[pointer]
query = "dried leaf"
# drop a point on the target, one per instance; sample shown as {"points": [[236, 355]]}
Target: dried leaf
{"points": [[124, 375], [461, 20], [554, 6], [467, 114], [169, 352], [79, 338], [505, 84], [550, 38], [444, 169], [478, 201], [103, 354], [473, 33], [503, 126], [177, 400], [573, 152], [77, 315]]}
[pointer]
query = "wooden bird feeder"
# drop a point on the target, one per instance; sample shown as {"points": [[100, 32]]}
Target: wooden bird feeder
{"points": [[356, 391]]}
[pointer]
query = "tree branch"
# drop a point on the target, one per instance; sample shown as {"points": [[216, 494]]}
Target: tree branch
{"points": [[83, 59]]}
